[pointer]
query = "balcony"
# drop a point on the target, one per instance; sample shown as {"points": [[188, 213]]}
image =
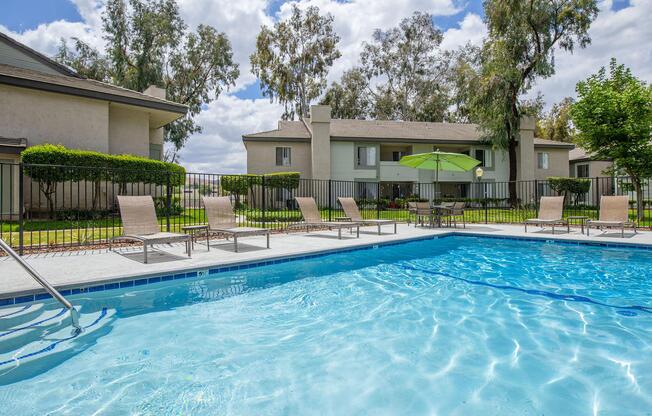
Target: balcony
{"points": [[393, 172]]}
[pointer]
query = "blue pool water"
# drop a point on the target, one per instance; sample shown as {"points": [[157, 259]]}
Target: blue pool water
{"points": [[452, 326]]}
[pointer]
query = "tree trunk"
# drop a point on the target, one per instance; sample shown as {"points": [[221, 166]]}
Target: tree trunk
{"points": [[639, 199], [513, 196]]}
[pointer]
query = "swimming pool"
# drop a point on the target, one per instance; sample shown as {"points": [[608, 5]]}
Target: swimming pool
{"points": [[454, 325]]}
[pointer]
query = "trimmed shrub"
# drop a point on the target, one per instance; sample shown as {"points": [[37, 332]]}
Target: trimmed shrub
{"points": [[573, 186], [50, 164], [283, 180]]}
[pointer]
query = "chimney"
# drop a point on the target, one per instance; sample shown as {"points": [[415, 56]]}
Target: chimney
{"points": [[320, 145], [525, 150], [156, 92]]}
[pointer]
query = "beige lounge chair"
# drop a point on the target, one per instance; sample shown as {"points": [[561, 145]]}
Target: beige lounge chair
{"points": [[139, 224], [614, 213], [312, 219], [222, 219], [551, 210], [351, 210]]}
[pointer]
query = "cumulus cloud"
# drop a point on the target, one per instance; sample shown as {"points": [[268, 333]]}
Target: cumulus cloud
{"points": [[219, 148], [624, 34]]}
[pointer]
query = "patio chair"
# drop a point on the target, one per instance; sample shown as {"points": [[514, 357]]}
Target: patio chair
{"points": [[551, 209], [423, 210], [312, 219], [412, 210], [454, 212], [139, 223], [351, 210], [614, 213], [222, 219]]}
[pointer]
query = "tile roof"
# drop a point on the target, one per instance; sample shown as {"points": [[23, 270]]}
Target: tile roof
{"points": [[578, 154]]}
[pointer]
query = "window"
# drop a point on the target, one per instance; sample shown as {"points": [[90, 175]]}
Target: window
{"points": [[583, 171], [367, 190], [155, 151], [397, 155], [485, 157], [283, 156], [542, 160], [366, 156]]}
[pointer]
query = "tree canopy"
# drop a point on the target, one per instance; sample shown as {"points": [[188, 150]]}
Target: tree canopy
{"points": [[613, 115], [519, 49], [148, 43], [293, 58]]}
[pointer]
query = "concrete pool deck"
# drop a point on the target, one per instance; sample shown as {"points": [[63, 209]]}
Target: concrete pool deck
{"points": [[78, 269]]}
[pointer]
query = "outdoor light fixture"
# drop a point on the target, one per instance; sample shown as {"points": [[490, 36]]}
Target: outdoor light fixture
{"points": [[478, 173]]}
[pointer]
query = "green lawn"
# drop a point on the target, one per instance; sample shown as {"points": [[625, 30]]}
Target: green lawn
{"points": [[71, 232]]}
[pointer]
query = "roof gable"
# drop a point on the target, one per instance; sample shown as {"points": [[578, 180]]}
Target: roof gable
{"points": [[16, 54]]}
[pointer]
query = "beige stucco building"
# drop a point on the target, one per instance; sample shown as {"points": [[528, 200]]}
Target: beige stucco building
{"points": [[368, 151], [42, 101]]}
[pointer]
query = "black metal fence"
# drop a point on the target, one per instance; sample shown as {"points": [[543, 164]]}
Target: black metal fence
{"points": [[49, 214]]}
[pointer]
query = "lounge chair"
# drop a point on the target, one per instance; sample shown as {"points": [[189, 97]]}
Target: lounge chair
{"points": [[453, 212], [614, 213], [551, 209], [312, 219], [351, 210], [222, 219], [139, 224]]}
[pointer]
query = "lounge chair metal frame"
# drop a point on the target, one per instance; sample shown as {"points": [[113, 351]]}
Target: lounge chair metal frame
{"points": [[139, 224], [351, 210], [312, 219], [551, 211], [222, 220], [614, 213]]}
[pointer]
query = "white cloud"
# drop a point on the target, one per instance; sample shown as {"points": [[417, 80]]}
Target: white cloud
{"points": [[219, 149], [625, 34], [471, 30]]}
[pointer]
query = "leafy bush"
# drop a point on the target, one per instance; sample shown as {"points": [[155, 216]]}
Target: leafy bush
{"points": [[50, 165], [160, 202], [282, 180], [573, 186]]}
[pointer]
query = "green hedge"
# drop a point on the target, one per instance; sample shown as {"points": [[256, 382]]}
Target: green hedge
{"points": [[575, 186], [241, 184], [78, 165]]}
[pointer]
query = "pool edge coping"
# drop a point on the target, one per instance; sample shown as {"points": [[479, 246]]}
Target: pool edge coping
{"points": [[139, 279]]}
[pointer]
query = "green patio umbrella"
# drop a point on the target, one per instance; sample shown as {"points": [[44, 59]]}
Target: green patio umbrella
{"points": [[444, 161]]}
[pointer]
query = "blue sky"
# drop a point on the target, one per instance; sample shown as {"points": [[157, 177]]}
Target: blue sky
{"points": [[622, 30]]}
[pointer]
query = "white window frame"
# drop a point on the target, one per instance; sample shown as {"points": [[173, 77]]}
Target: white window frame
{"points": [[543, 160], [286, 156], [577, 170], [370, 156]]}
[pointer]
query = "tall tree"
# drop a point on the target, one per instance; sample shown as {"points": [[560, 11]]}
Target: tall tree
{"points": [[406, 70], [523, 35], [147, 43], [349, 99], [556, 124], [613, 114], [462, 79], [293, 58]]}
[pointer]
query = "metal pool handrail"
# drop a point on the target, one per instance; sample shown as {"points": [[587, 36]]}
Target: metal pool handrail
{"points": [[74, 315]]}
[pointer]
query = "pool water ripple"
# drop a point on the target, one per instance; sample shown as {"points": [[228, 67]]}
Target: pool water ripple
{"points": [[455, 326]]}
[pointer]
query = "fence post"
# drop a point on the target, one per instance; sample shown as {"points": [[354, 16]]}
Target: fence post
{"points": [[486, 203], [21, 209], [168, 202], [378, 200], [263, 198], [330, 199]]}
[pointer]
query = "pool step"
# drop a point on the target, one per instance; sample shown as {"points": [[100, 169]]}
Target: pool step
{"points": [[47, 338], [21, 314]]}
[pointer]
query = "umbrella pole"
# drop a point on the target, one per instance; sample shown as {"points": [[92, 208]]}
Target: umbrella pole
{"points": [[437, 178]]}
